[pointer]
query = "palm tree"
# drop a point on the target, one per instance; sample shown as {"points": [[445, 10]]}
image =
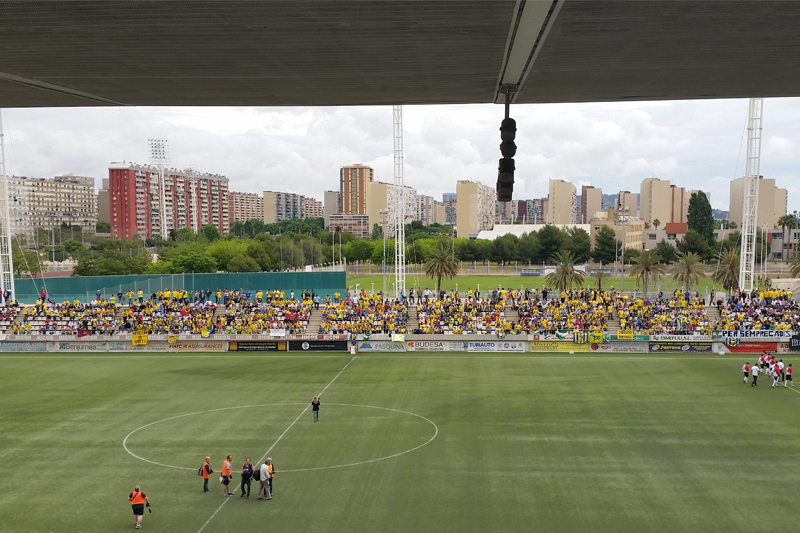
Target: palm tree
{"points": [[441, 264], [656, 224], [688, 269], [599, 277], [648, 266], [786, 221], [794, 266], [565, 275], [726, 273]]}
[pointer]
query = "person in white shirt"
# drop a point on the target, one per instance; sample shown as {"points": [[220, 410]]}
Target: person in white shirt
{"points": [[755, 376], [775, 374], [263, 478], [781, 371], [746, 370]]}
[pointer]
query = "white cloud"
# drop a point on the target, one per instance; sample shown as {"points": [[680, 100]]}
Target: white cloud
{"points": [[696, 144]]}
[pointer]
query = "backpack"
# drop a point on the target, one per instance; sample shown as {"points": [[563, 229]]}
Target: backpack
{"points": [[257, 474], [200, 471]]}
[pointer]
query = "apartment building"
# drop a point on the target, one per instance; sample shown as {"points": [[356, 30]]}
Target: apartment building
{"points": [[279, 206], [145, 204], [591, 202], [771, 202], [313, 208], [244, 206], [475, 209], [662, 201], [331, 205], [358, 225], [563, 203], [353, 181], [50, 202]]}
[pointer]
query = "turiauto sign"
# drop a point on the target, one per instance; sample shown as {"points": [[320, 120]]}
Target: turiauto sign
{"points": [[496, 346]]}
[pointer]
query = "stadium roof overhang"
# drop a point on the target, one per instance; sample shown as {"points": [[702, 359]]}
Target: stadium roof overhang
{"points": [[363, 52]]}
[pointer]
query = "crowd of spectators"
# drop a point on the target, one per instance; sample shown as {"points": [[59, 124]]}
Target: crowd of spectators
{"points": [[363, 313], [770, 309], [232, 311]]}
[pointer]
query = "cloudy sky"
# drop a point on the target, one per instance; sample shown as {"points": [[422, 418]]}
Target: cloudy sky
{"points": [[696, 144]]}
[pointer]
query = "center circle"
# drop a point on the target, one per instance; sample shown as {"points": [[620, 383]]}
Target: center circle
{"points": [[345, 405]]}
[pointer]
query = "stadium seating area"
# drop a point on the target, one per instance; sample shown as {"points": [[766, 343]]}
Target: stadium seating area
{"points": [[539, 311], [584, 310], [771, 309], [364, 314], [457, 316]]}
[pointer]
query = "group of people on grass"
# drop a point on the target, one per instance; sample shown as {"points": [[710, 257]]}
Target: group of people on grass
{"points": [[769, 366], [263, 474]]}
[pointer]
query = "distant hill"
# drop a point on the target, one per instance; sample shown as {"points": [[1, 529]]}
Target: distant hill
{"points": [[719, 214], [609, 201]]}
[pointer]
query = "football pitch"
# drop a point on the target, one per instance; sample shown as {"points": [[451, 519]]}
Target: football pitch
{"points": [[405, 442]]}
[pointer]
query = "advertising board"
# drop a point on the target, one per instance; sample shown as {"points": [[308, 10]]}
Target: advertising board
{"points": [[680, 338], [794, 343], [117, 346], [78, 347], [496, 346], [754, 334], [704, 347], [23, 346], [619, 347], [435, 346], [746, 347], [381, 346], [557, 346], [199, 346], [257, 346], [318, 346]]}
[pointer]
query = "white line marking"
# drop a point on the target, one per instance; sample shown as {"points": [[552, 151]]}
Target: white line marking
{"points": [[275, 443], [125, 440], [431, 422]]}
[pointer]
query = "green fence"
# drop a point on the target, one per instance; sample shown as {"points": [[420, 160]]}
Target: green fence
{"points": [[85, 288]]}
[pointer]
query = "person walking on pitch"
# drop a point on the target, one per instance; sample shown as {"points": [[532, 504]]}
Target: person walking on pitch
{"points": [[746, 370], [247, 475], [206, 472], [138, 501], [788, 376], [755, 376]]}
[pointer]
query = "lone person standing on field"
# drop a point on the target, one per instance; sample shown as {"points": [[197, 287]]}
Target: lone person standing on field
{"points": [[138, 500], [315, 408]]}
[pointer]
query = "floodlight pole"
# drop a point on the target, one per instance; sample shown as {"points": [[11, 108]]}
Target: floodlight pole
{"points": [[6, 258], [399, 204], [750, 201]]}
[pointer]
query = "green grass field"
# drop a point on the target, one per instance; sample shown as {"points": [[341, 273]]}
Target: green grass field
{"points": [[522, 443], [492, 282]]}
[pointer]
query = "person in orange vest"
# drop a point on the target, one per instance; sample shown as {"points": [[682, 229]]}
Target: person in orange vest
{"points": [[138, 500], [226, 476], [271, 473], [206, 473]]}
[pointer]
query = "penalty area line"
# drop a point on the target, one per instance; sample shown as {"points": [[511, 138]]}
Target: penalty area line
{"points": [[236, 488]]}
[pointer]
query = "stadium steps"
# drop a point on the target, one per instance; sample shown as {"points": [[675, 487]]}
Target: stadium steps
{"points": [[713, 314], [511, 315], [413, 320], [613, 324], [314, 321]]}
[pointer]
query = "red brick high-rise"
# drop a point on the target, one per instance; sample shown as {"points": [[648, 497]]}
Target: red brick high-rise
{"points": [[188, 199]]}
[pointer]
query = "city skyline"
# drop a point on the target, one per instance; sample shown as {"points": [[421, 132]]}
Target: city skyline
{"points": [[613, 146]]}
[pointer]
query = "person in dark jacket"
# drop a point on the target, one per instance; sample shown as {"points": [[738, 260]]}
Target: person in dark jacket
{"points": [[315, 408], [247, 476]]}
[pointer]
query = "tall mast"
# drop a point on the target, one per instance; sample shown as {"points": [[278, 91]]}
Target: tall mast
{"points": [[399, 205], [6, 261], [747, 257]]}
